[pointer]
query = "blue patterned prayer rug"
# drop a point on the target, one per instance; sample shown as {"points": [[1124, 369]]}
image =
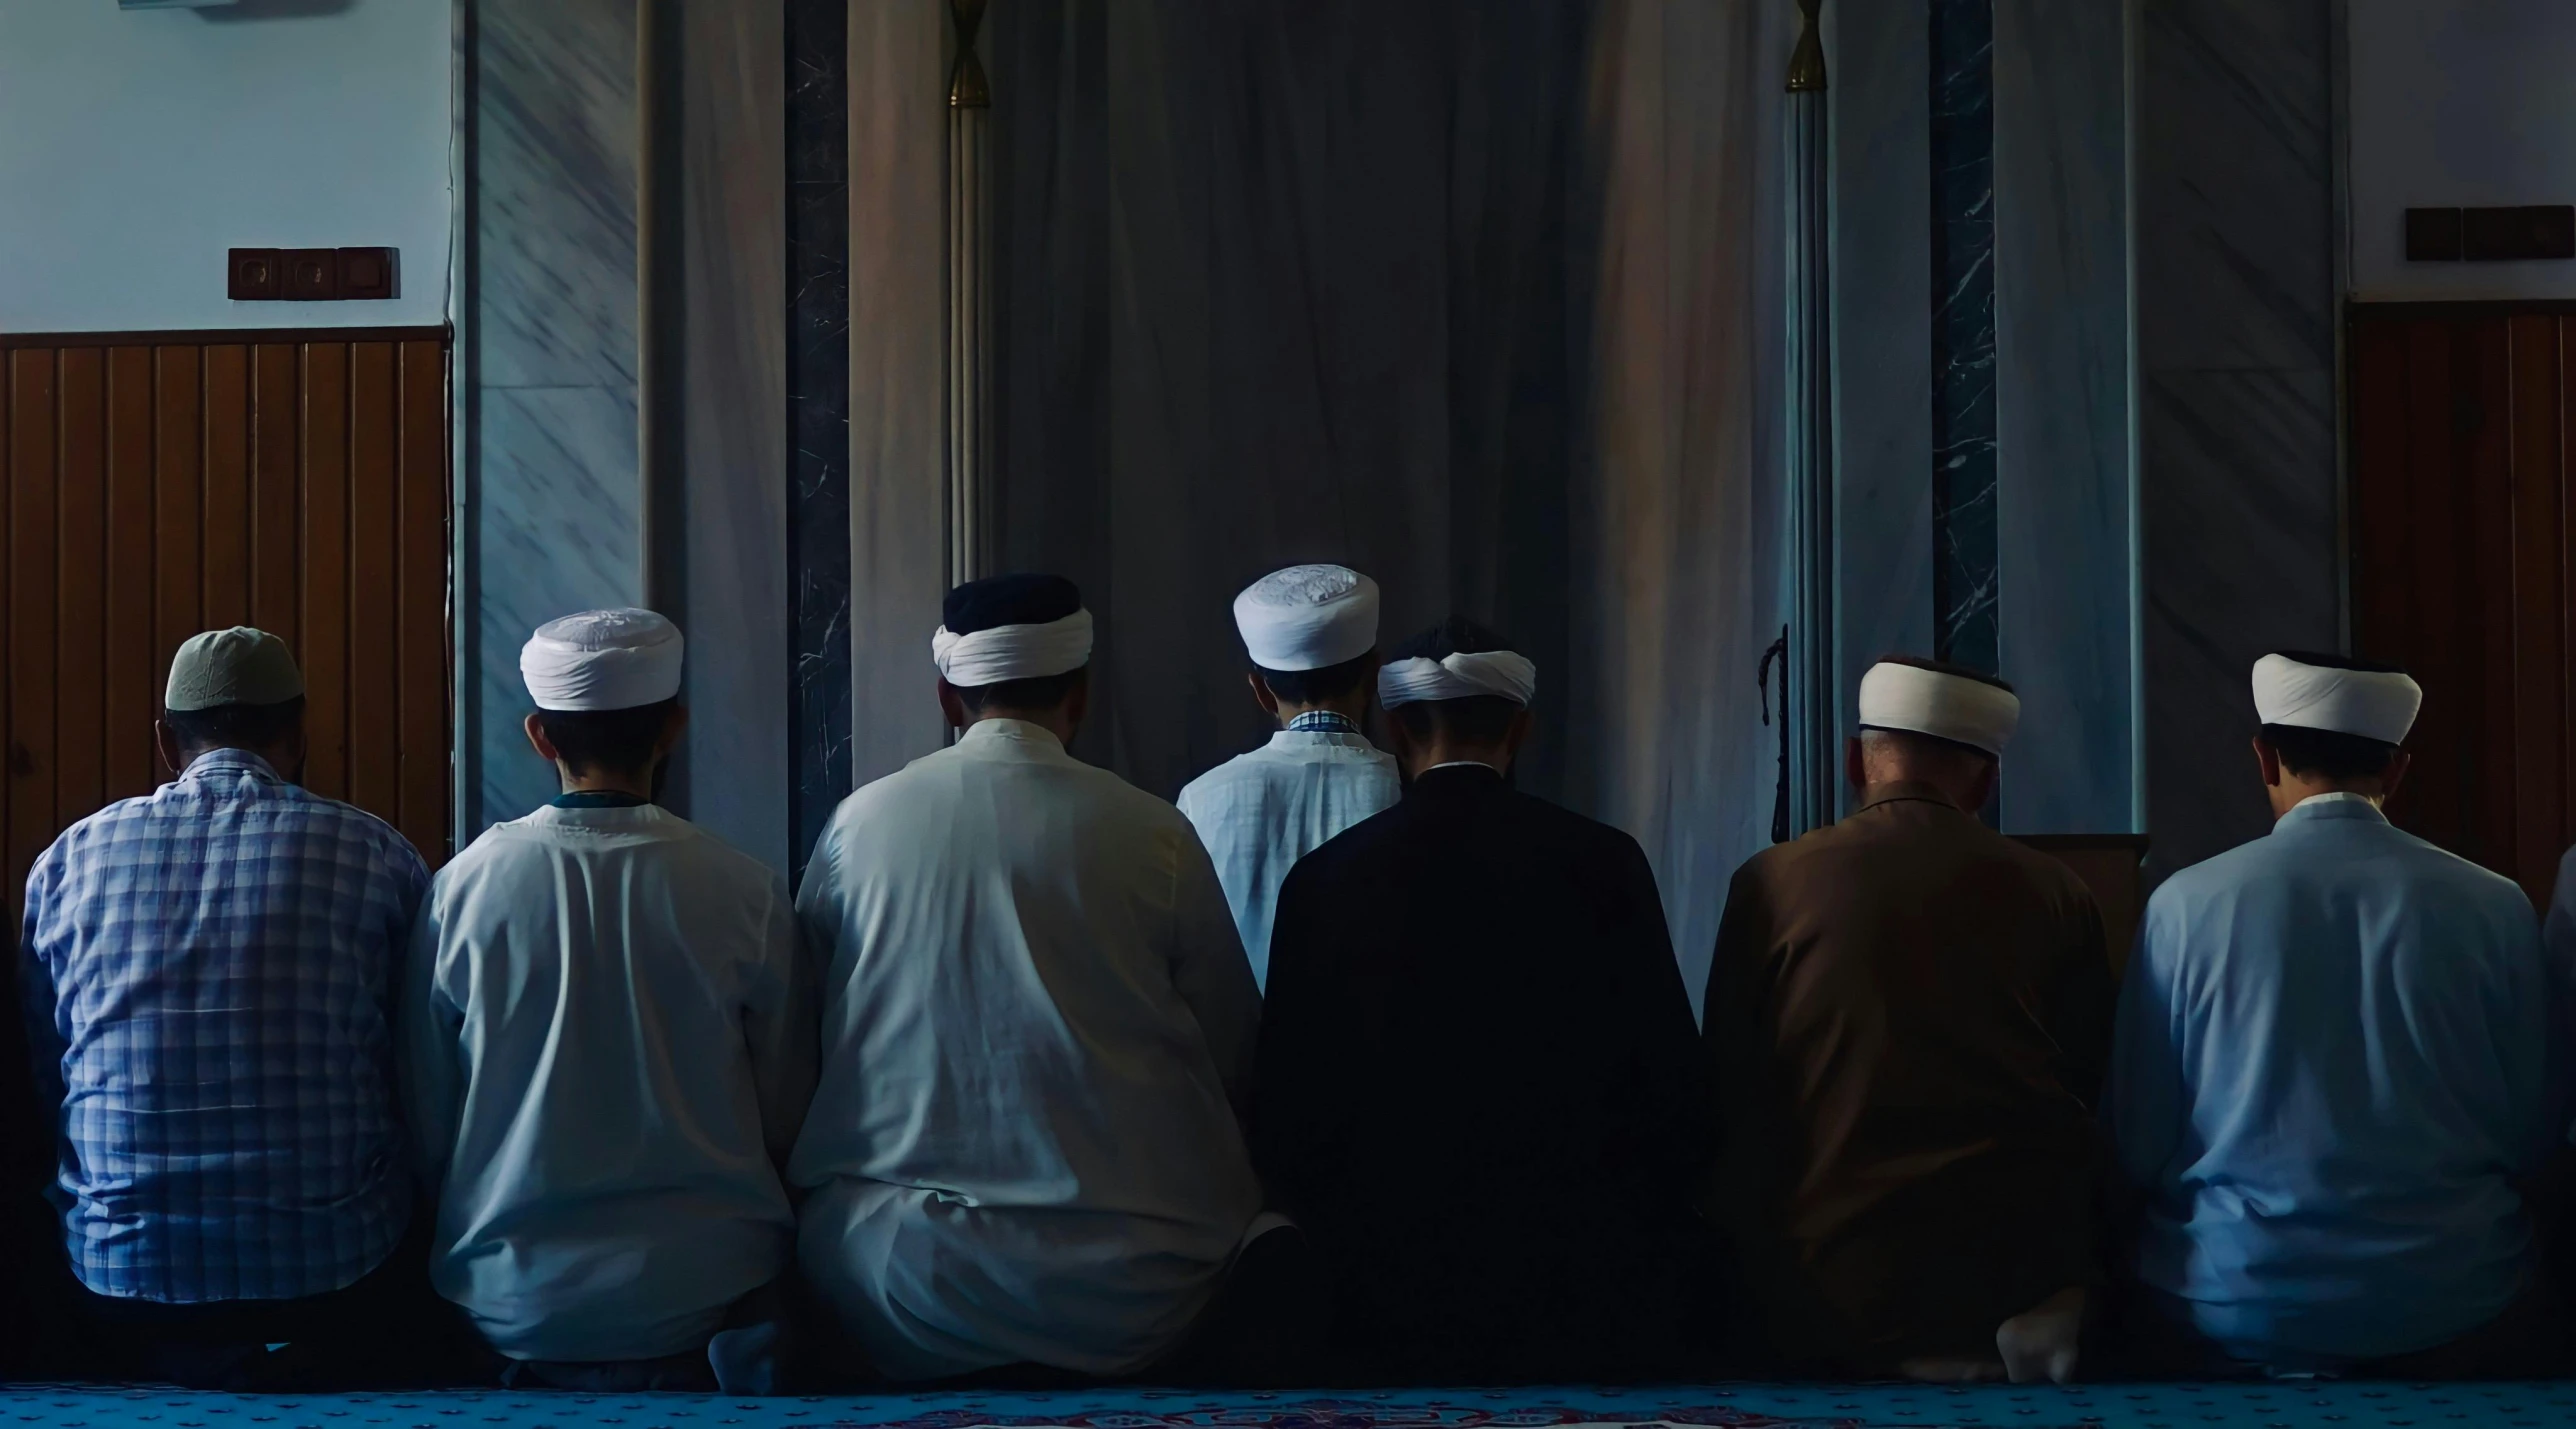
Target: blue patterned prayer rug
{"points": [[2277, 1405]]}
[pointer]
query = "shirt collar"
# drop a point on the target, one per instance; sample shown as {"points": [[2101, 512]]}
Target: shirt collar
{"points": [[1002, 729], [2339, 804], [235, 761], [1324, 722], [1477, 764], [598, 799], [1904, 791]]}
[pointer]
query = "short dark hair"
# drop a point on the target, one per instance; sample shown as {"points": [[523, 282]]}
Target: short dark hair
{"points": [[606, 741], [1038, 692], [235, 726], [1313, 687], [1474, 719], [2328, 753]]}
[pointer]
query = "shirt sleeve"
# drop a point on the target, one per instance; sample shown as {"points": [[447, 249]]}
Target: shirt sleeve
{"points": [[2145, 1101], [1675, 1120], [2558, 953], [39, 1006], [1299, 1087], [1209, 969], [2078, 1001], [780, 1027], [427, 1046]]}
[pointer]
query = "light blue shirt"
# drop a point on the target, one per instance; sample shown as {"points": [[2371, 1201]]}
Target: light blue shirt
{"points": [[1259, 813], [2333, 1051]]}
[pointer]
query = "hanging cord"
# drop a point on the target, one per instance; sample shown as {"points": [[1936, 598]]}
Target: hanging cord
{"points": [[1778, 651]]}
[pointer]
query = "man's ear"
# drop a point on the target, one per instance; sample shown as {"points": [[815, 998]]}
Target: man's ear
{"points": [[2398, 764], [951, 706], [537, 740], [2270, 760], [1262, 693], [1855, 765], [165, 742], [674, 725], [1981, 790], [1517, 733], [1077, 701]]}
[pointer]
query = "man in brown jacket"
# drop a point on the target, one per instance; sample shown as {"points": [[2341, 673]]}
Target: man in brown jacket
{"points": [[1909, 1015]]}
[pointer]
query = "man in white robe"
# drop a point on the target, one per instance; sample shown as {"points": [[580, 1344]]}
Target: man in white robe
{"points": [[2331, 1067], [610, 1044], [1311, 633], [1037, 1024]]}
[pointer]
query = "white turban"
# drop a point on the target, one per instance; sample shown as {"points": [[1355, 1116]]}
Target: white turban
{"points": [[2374, 704], [1013, 652], [602, 660], [1456, 677], [1952, 707], [1307, 617]]}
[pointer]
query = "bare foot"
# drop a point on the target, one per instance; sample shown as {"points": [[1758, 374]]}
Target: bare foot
{"points": [[2040, 1342], [1949, 1369]]}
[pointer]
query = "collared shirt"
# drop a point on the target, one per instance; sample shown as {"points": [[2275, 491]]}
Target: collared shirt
{"points": [[2332, 1059], [1036, 1019], [608, 1036], [1258, 813], [210, 975]]}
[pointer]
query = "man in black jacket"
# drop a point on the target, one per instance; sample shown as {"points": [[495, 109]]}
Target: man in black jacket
{"points": [[1478, 1086]]}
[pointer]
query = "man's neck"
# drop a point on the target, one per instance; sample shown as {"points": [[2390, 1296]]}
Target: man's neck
{"points": [[1052, 721], [1350, 708], [638, 786], [2293, 791], [1422, 759]]}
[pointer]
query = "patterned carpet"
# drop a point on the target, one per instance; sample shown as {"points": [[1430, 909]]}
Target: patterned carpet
{"points": [[2281, 1405]]}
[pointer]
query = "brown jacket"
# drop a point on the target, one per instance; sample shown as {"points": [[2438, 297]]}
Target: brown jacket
{"points": [[1908, 1015]]}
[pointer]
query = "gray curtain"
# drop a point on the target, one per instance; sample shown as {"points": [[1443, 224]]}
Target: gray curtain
{"points": [[1480, 297]]}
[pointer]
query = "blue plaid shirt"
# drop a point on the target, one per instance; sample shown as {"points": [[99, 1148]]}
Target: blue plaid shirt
{"points": [[209, 976]]}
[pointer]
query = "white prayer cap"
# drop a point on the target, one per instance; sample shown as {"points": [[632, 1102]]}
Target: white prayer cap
{"points": [[602, 660], [1960, 708], [240, 666], [1456, 660], [1016, 627], [2308, 692], [1307, 617]]}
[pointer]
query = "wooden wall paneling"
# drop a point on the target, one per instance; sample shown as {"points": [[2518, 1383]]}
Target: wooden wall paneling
{"points": [[225, 554], [2539, 705], [80, 558], [178, 484], [31, 612], [2489, 595], [133, 692], [275, 557], [374, 562], [422, 592], [2562, 339], [324, 649], [12, 887], [2383, 603], [2436, 804]]}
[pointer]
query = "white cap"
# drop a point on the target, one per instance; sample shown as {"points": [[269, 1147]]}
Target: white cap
{"points": [[1504, 673], [2374, 704], [1958, 708], [1307, 617], [602, 660]]}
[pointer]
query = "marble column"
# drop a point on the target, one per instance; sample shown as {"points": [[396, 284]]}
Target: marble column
{"points": [[2063, 469], [548, 300], [2236, 349], [818, 407], [1961, 155]]}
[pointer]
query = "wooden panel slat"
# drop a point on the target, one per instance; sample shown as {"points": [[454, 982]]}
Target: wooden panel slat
{"points": [[2435, 801], [324, 648], [423, 597], [2488, 597], [12, 888], [178, 530], [2537, 747], [2380, 503], [133, 695], [273, 553], [225, 553], [80, 555], [31, 611], [374, 564]]}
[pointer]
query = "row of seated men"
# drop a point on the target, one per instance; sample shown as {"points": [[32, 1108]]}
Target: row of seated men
{"points": [[1359, 1065]]}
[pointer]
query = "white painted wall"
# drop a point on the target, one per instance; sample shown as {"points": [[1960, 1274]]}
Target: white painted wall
{"points": [[2457, 102], [136, 146]]}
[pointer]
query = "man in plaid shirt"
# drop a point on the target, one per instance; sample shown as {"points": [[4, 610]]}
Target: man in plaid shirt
{"points": [[209, 978]]}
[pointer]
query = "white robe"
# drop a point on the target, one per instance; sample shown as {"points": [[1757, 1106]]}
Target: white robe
{"points": [[1259, 813], [1036, 1019], [608, 1045]]}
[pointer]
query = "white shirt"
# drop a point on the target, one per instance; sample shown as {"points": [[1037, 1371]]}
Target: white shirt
{"points": [[1035, 1016], [1259, 813], [609, 1048]]}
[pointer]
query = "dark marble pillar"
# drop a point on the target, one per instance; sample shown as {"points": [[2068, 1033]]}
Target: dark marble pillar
{"points": [[818, 416], [1963, 333]]}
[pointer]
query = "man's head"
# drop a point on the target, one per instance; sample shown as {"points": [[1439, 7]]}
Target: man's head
{"points": [[1934, 724], [1015, 647], [233, 689], [2331, 724], [1311, 634], [606, 685], [1456, 693]]}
